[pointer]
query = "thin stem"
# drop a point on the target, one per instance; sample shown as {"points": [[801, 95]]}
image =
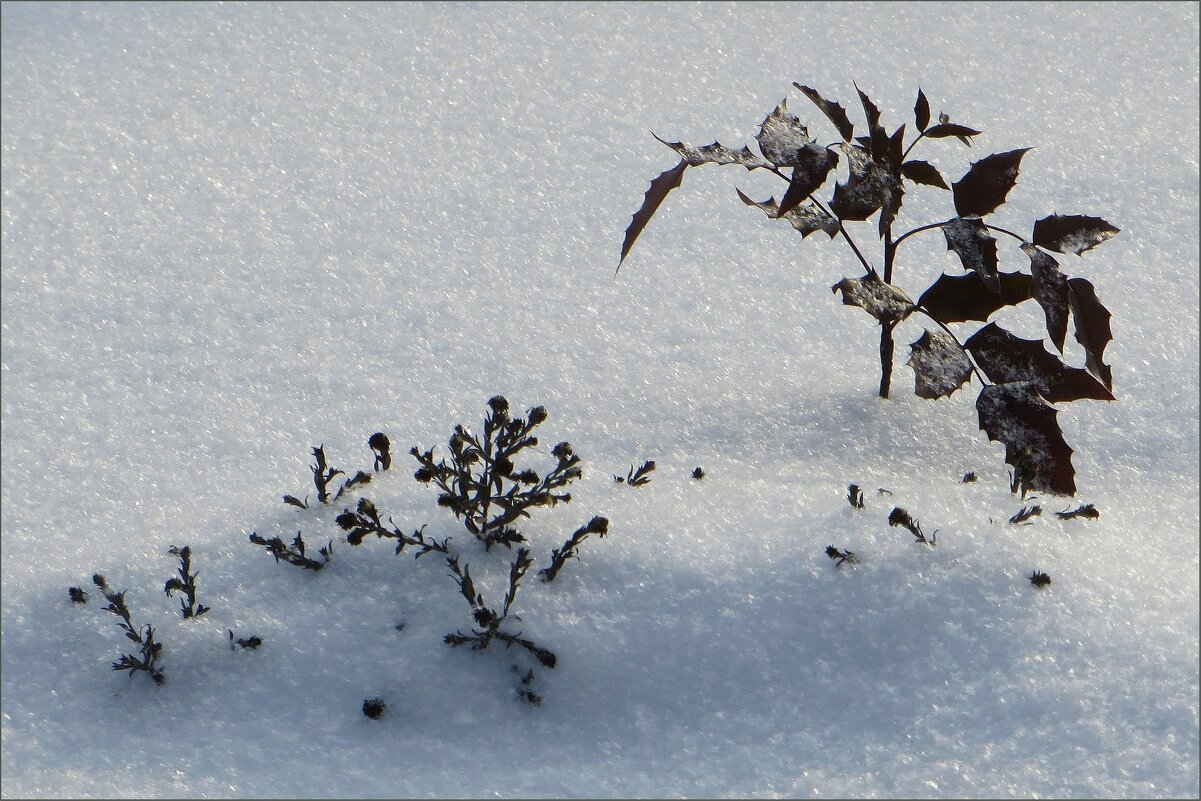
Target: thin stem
{"points": [[890, 250], [918, 230], [842, 229], [886, 341], [912, 144], [886, 349], [1004, 231]]}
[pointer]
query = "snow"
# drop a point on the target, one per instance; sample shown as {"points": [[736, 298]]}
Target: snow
{"points": [[232, 233]]}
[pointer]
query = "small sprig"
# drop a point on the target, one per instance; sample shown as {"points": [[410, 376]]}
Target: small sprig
{"points": [[149, 649], [855, 496], [486, 618], [357, 480], [842, 557], [323, 474], [968, 478], [379, 444], [641, 476], [295, 554], [185, 583], [365, 520], [900, 517], [1087, 511], [481, 484], [597, 525], [77, 595], [1025, 513], [698, 474], [1040, 580], [246, 643]]}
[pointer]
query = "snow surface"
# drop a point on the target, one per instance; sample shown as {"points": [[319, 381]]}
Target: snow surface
{"points": [[234, 232]]}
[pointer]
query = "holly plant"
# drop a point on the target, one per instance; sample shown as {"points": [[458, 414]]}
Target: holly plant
{"points": [[1021, 378]]}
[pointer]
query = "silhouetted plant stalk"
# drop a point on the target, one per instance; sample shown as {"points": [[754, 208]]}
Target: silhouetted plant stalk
{"points": [[1022, 518], [294, 554], [855, 496], [323, 476], [185, 583], [481, 483], [365, 520], [1087, 511], [900, 517], [841, 557], [597, 525], [1020, 378], [246, 643], [488, 621], [379, 444], [640, 477], [149, 649]]}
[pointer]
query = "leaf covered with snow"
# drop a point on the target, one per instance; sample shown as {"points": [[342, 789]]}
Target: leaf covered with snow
{"points": [[1073, 233], [1006, 358], [976, 248], [1050, 290], [715, 153], [883, 301], [1016, 414], [939, 365], [986, 183], [805, 218], [863, 193], [781, 136]]}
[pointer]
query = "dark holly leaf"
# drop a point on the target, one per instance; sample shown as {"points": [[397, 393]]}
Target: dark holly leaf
{"points": [[1050, 289], [869, 109], [833, 111], [813, 164], [943, 130], [883, 301], [896, 148], [806, 218], [1072, 234], [863, 193], [939, 365], [715, 153], [1016, 415], [781, 136], [921, 110], [1006, 358], [659, 189], [986, 183], [879, 140], [956, 298], [1092, 327], [976, 248], [923, 172]]}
